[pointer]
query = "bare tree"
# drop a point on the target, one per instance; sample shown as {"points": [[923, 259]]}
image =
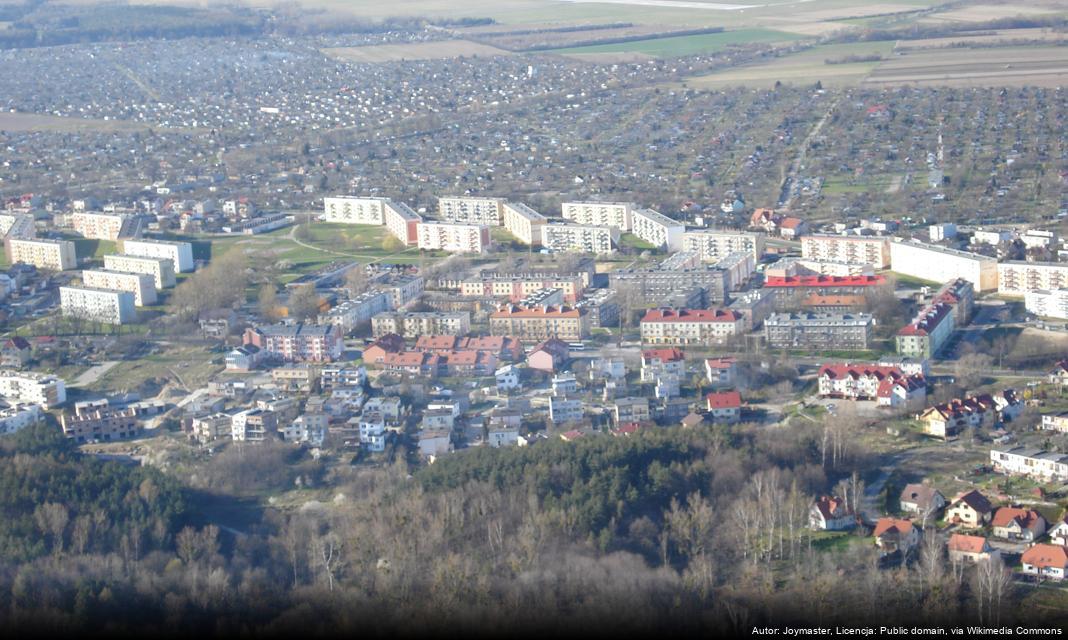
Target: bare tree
{"points": [[327, 551], [51, 519], [991, 583]]}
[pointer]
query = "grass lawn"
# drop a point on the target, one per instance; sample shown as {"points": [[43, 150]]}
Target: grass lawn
{"points": [[914, 281], [631, 240], [192, 364], [686, 45]]}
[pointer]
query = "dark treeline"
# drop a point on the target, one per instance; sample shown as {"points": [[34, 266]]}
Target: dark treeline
{"points": [[694, 531], [939, 30]]}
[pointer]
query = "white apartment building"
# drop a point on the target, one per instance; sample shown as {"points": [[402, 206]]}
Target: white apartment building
{"points": [[179, 253], [562, 409], [1047, 303], [599, 214], [161, 269], [857, 250], [142, 285], [51, 255], [576, 237], [657, 229], [453, 237], [939, 264], [17, 225], [1016, 278], [467, 210], [354, 210], [211, 427], [99, 305], [18, 417], [402, 222], [100, 226], [523, 222], [1032, 462], [23, 387], [351, 313], [716, 245], [421, 323]]}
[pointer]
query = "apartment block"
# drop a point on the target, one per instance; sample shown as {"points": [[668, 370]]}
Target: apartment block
{"points": [[657, 229], [523, 222], [934, 262], [845, 331], [658, 284], [599, 214], [575, 237], [352, 313], [99, 226], [354, 210], [404, 289], [98, 305], [253, 425], [402, 222], [716, 245], [298, 342], [161, 269], [18, 417], [23, 387], [854, 250], [142, 285], [1032, 462], [17, 225], [1017, 278], [1047, 303], [680, 327], [179, 253], [453, 237], [51, 255], [468, 210], [519, 286], [540, 323], [421, 323], [100, 425]]}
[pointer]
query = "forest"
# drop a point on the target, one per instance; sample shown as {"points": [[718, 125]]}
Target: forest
{"points": [[686, 530]]}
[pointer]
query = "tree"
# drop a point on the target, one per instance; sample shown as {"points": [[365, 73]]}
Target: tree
{"points": [[991, 584], [268, 300], [52, 520], [391, 243], [356, 280], [303, 303], [221, 284], [971, 369]]}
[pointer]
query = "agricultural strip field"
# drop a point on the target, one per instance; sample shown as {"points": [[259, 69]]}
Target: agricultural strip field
{"points": [[414, 51], [986, 12], [805, 67], [1001, 66], [683, 45]]}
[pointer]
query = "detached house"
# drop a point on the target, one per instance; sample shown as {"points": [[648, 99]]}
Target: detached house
{"points": [[1059, 373], [1014, 523], [923, 500], [894, 534], [969, 549], [1058, 534], [724, 407], [971, 509], [829, 513], [1045, 560]]}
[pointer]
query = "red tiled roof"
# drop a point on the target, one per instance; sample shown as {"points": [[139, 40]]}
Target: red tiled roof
{"points": [[720, 363], [823, 281], [967, 544], [929, 318], [434, 343], [1046, 555], [690, 315], [724, 400], [839, 370], [888, 525], [1005, 515], [791, 223], [547, 311], [827, 505], [664, 355]]}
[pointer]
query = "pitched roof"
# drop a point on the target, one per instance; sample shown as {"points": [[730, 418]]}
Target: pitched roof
{"points": [[920, 494], [892, 525], [1026, 518], [720, 363], [967, 544], [544, 311], [664, 355], [844, 370], [1046, 555], [724, 400], [975, 500], [690, 315], [828, 505], [823, 281]]}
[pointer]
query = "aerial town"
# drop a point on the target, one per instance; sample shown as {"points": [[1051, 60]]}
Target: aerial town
{"points": [[356, 328]]}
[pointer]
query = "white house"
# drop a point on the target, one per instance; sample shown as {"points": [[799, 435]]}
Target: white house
{"points": [[507, 378]]}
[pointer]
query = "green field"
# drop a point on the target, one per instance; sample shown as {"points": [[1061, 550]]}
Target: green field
{"points": [[686, 45], [803, 67]]}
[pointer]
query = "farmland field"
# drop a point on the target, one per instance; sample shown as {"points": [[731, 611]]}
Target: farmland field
{"points": [[986, 12], [805, 67], [414, 51], [1044, 66], [685, 45]]}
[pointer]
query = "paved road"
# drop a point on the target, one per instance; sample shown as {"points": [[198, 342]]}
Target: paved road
{"points": [[94, 373]]}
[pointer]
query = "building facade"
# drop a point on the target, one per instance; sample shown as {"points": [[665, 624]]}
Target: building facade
{"points": [[934, 262], [142, 285], [453, 237], [1018, 278], [98, 305], [50, 255], [853, 250], [830, 331], [298, 343], [523, 222], [715, 245], [179, 253], [161, 269], [540, 323], [469, 210], [575, 237], [678, 327], [657, 229]]}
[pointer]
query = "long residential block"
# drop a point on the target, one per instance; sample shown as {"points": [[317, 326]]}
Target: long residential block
{"points": [[179, 253], [402, 222], [854, 250], [934, 262], [470, 210], [1017, 278], [52, 255], [161, 269], [453, 237], [23, 387], [715, 245], [355, 210], [98, 305], [142, 285], [523, 222], [599, 214], [657, 229], [576, 237]]}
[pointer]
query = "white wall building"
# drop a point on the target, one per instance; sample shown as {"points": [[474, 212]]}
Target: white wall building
{"points": [[402, 222], [1016, 278], [51, 255], [599, 214], [161, 269], [1047, 304], [142, 285], [32, 388], [939, 264], [1032, 462], [716, 245], [657, 229], [523, 222], [469, 210], [18, 417], [99, 226], [857, 250], [179, 253], [98, 305], [453, 237], [576, 237], [354, 210]]}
